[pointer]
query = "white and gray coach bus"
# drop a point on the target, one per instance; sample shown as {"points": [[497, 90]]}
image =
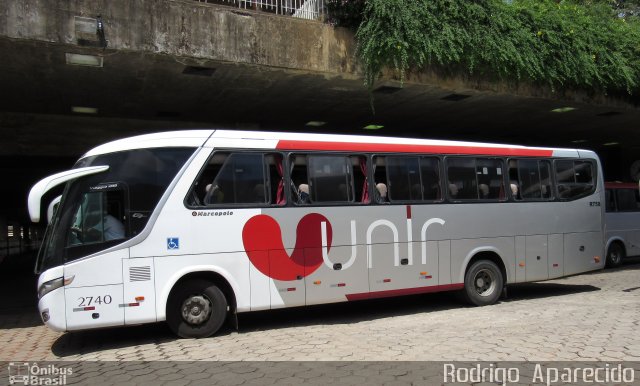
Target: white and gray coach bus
{"points": [[194, 226]]}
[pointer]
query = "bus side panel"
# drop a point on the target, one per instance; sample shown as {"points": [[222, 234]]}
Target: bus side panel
{"points": [[139, 291], [95, 296], [556, 255], [329, 284], [521, 259], [260, 285], [462, 251], [583, 252], [233, 267], [536, 259], [444, 262], [285, 293]]}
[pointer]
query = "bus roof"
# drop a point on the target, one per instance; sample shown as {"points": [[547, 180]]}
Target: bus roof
{"points": [[325, 142]]}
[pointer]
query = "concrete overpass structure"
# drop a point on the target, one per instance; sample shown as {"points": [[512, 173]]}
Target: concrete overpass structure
{"points": [[173, 64]]}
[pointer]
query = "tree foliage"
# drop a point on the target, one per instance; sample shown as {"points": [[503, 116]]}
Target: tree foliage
{"points": [[580, 44]]}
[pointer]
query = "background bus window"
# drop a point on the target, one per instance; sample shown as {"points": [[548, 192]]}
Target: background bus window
{"points": [[240, 179], [610, 203], [430, 172], [330, 179], [461, 179], [403, 175], [574, 178], [627, 200]]}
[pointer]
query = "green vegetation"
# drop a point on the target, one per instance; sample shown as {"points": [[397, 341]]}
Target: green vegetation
{"points": [[592, 45]]}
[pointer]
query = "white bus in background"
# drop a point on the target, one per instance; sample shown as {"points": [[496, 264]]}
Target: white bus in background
{"points": [[622, 219], [194, 226]]}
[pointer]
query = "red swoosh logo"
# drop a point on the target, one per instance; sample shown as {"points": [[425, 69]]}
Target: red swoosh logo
{"points": [[262, 239]]}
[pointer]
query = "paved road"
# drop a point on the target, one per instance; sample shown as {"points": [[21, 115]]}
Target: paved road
{"points": [[588, 317]]}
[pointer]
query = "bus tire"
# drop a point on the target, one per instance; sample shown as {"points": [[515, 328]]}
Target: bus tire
{"points": [[483, 283], [196, 309], [615, 254]]}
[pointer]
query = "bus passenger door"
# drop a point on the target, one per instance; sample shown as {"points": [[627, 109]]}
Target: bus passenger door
{"points": [[290, 291], [139, 291]]}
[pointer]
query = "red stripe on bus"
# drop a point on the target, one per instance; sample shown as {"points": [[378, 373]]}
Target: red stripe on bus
{"points": [[400, 148], [408, 211], [406, 291]]}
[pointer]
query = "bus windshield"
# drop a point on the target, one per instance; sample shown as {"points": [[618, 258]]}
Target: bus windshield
{"points": [[102, 210]]}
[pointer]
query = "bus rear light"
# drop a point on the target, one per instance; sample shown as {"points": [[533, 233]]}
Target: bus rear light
{"points": [[89, 308], [556, 265], [317, 282], [133, 304], [386, 281], [423, 273], [521, 264], [339, 285], [596, 259], [291, 289], [139, 298]]}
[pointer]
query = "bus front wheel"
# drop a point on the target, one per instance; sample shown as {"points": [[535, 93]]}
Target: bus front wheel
{"points": [[483, 283], [196, 309]]}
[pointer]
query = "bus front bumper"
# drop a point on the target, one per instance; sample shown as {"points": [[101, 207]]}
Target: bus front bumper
{"points": [[52, 310]]}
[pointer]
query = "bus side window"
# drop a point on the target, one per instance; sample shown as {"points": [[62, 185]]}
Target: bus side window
{"points": [[403, 174], [381, 185], [299, 182], [490, 178], [430, 172], [627, 200], [575, 179], [330, 179], [461, 178], [232, 178]]}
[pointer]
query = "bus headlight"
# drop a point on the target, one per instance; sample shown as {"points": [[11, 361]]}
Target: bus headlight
{"points": [[49, 286]]}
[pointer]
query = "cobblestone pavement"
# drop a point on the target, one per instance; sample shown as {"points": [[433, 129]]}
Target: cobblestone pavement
{"points": [[593, 316]]}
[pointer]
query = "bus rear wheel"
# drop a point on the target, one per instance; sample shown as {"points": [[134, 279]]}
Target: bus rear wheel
{"points": [[615, 254], [483, 283], [196, 309]]}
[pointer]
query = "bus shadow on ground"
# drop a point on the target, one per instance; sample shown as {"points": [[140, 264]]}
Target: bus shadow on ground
{"points": [[87, 342], [526, 291], [92, 341]]}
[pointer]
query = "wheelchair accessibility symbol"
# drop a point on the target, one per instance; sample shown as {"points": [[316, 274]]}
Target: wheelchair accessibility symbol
{"points": [[173, 243]]}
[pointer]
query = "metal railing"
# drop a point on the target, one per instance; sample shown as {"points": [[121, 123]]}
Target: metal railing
{"points": [[303, 9]]}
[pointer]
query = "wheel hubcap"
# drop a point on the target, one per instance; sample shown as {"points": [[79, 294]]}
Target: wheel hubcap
{"points": [[484, 282], [615, 257], [196, 309]]}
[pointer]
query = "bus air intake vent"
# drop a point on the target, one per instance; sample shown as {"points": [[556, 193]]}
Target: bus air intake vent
{"points": [[139, 273]]}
